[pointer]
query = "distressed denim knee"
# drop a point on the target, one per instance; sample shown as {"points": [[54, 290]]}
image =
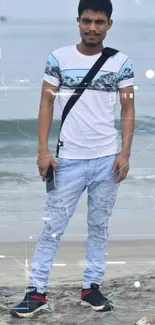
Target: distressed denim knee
{"points": [[55, 222]]}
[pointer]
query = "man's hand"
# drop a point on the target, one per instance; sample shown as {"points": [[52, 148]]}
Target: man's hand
{"points": [[44, 161], [122, 165]]}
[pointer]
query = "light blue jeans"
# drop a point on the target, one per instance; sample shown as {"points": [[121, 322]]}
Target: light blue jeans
{"points": [[72, 178]]}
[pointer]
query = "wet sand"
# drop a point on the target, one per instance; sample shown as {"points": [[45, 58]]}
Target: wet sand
{"points": [[127, 262]]}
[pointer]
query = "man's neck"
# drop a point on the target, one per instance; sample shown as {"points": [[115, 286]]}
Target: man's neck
{"points": [[83, 49]]}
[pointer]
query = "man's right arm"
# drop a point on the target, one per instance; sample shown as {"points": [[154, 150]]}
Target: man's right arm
{"points": [[45, 117]]}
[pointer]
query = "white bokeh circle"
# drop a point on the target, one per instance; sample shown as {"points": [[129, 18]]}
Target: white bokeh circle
{"points": [[137, 284], [150, 74]]}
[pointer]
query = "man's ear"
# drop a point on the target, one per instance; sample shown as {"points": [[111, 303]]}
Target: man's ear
{"points": [[78, 19], [110, 23]]}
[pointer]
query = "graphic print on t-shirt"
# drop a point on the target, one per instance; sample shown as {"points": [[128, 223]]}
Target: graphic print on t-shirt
{"points": [[103, 81], [52, 67]]}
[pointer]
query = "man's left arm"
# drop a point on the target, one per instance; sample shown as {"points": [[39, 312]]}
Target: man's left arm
{"points": [[127, 118], [127, 130]]}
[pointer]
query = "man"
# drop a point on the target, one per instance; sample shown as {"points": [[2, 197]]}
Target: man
{"points": [[89, 156]]}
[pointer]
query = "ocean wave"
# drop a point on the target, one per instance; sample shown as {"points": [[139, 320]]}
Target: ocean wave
{"points": [[20, 178], [147, 178], [17, 177], [27, 129], [23, 129]]}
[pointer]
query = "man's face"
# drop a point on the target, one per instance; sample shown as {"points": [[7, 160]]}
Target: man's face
{"points": [[93, 27]]}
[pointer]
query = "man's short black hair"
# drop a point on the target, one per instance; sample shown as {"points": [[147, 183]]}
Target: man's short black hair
{"points": [[96, 5]]}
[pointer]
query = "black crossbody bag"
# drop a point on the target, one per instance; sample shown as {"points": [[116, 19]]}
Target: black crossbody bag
{"points": [[106, 54]]}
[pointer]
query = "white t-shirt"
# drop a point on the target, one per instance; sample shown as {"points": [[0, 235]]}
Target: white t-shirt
{"points": [[88, 131]]}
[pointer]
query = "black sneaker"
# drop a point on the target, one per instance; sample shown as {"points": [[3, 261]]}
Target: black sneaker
{"points": [[32, 303], [93, 298]]}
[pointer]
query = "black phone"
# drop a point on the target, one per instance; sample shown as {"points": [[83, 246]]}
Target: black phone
{"points": [[50, 179]]}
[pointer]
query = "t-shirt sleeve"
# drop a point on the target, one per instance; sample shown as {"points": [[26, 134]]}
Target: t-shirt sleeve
{"points": [[52, 72], [126, 75]]}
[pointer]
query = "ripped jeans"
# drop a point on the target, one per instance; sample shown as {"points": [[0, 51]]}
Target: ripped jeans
{"points": [[72, 178]]}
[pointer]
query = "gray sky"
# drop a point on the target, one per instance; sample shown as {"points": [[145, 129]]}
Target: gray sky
{"points": [[68, 9]]}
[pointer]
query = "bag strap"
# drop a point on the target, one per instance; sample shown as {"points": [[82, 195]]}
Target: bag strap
{"points": [[106, 54]]}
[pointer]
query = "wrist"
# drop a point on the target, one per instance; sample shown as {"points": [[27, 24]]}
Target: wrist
{"points": [[43, 150], [125, 153]]}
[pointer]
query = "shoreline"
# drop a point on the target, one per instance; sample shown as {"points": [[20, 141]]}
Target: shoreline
{"points": [[127, 262], [123, 258]]}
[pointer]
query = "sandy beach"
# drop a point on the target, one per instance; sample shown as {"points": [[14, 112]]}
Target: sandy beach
{"points": [[127, 262]]}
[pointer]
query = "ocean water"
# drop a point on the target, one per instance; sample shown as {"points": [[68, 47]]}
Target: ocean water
{"points": [[24, 49]]}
